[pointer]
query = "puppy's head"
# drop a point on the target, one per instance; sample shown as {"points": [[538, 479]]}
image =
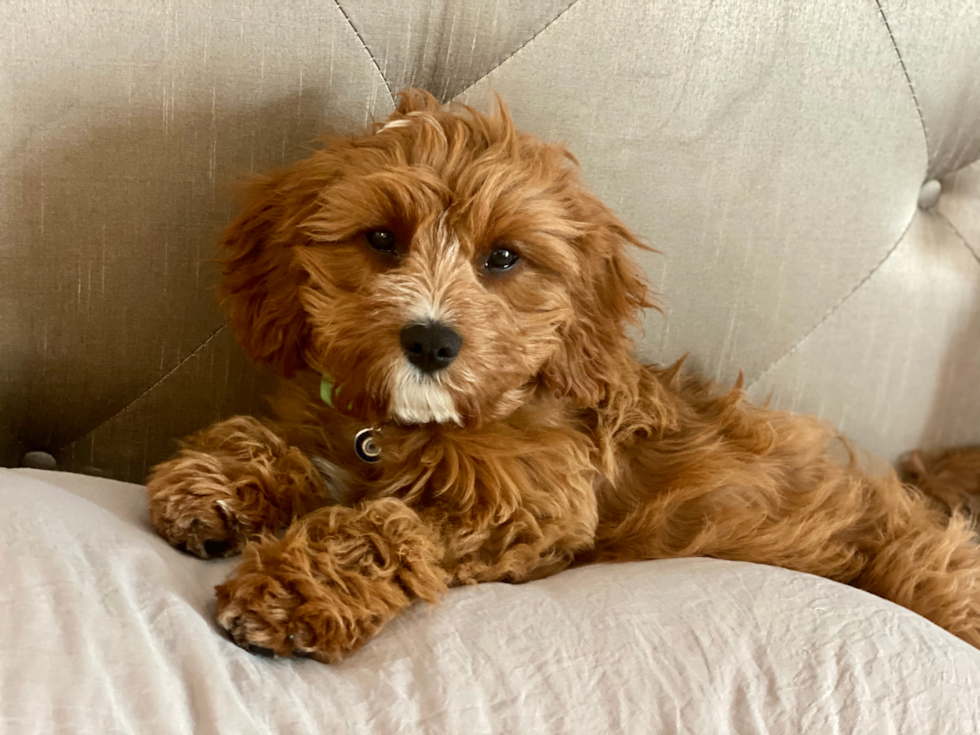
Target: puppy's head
{"points": [[441, 268]]}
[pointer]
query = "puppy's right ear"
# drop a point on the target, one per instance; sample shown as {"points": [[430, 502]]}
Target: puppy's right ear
{"points": [[262, 278]]}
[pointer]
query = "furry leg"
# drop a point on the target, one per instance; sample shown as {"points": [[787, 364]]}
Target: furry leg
{"points": [[869, 532], [236, 479], [952, 477], [336, 577], [927, 561]]}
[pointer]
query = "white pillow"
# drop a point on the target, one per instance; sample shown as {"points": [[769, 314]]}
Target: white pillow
{"points": [[106, 629]]}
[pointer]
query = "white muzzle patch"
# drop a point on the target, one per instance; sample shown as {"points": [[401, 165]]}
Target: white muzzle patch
{"points": [[420, 399]]}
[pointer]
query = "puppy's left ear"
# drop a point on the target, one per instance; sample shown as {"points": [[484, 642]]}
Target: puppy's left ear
{"points": [[594, 355]]}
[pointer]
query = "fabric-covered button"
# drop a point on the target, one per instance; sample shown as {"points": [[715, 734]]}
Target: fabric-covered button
{"points": [[929, 194], [39, 461]]}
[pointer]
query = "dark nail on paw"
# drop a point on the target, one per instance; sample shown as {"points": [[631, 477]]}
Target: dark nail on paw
{"points": [[216, 548]]}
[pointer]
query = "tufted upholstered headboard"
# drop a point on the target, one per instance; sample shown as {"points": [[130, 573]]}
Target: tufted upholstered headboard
{"points": [[774, 151]]}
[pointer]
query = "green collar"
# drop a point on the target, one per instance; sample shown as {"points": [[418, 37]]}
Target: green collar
{"points": [[326, 390]]}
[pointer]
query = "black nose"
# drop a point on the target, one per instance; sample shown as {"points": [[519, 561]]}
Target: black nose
{"points": [[430, 346]]}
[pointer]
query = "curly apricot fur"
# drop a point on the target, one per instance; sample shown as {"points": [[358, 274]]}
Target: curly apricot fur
{"points": [[549, 444]]}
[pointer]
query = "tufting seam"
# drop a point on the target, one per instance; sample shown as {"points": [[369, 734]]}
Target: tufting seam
{"points": [[908, 79], [220, 329], [956, 231], [833, 310], [170, 372], [374, 61], [518, 49]]}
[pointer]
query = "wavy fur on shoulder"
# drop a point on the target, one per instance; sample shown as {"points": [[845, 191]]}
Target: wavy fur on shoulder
{"points": [[528, 439]]}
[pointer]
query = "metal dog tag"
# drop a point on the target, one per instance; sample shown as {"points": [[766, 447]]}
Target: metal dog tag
{"points": [[365, 446]]}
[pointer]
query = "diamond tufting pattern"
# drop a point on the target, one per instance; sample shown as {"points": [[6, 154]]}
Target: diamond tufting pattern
{"points": [[773, 152]]}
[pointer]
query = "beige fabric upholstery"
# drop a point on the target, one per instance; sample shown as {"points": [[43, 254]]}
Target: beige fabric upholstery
{"points": [[772, 151]]}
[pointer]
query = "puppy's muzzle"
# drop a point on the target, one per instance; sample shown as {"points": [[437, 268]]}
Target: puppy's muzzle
{"points": [[430, 346]]}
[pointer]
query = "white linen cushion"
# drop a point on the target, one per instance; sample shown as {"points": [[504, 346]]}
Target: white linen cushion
{"points": [[106, 629]]}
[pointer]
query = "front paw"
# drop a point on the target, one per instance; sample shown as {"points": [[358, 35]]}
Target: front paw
{"points": [[335, 578], [275, 605], [198, 508]]}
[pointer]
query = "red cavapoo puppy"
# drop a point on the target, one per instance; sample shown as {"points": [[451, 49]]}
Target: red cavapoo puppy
{"points": [[447, 306]]}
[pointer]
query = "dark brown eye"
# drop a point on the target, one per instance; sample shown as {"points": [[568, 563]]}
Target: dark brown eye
{"points": [[502, 259], [381, 240]]}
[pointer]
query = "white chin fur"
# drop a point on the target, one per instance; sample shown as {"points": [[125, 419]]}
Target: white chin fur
{"points": [[419, 399]]}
